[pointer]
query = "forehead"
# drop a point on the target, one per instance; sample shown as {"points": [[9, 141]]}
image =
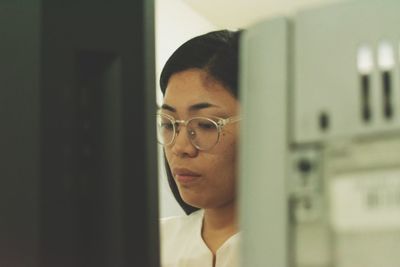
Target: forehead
{"points": [[193, 86]]}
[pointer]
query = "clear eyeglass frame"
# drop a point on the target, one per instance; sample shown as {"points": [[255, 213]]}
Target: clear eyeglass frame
{"points": [[218, 122]]}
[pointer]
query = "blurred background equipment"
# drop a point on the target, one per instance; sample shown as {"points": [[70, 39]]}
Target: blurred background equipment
{"points": [[78, 171], [320, 168]]}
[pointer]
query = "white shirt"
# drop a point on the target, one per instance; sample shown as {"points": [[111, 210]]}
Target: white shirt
{"points": [[183, 246]]}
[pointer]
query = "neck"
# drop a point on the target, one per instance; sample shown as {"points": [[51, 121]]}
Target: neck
{"points": [[219, 224], [221, 219]]}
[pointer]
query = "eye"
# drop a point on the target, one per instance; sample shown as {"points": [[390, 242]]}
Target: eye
{"points": [[205, 125], [167, 125]]}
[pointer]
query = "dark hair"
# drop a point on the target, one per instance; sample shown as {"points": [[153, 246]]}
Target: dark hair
{"points": [[214, 52]]}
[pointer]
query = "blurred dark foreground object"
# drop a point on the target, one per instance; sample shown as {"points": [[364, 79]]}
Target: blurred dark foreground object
{"points": [[77, 156]]}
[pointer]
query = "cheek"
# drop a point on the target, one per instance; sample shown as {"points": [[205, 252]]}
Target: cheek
{"points": [[168, 158], [224, 163], [221, 185], [167, 153]]}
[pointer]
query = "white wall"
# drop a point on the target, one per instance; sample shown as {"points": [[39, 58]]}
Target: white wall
{"points": [[175, 23], [243, 13]]}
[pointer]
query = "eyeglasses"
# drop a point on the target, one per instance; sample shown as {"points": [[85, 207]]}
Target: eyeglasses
{"points": [[203, 133]]}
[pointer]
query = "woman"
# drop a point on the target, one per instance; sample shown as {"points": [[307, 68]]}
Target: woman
{"points": [[198, 125]]}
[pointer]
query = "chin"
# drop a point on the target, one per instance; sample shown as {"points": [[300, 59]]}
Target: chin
{"points": [[193, 199]]}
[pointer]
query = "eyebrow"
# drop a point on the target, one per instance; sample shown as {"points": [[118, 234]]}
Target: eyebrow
{"points": [[192, 108], [168, 107]]}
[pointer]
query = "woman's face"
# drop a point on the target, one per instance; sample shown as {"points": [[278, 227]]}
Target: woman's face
{"points": [[205, 179]]}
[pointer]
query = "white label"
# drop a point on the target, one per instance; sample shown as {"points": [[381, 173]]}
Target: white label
{"points": [[365, 201]]}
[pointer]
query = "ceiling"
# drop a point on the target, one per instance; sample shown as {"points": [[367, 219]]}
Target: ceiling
{"points": [[234, 14]]}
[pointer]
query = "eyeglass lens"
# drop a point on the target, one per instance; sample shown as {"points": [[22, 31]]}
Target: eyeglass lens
{"points": [[202, 133]]}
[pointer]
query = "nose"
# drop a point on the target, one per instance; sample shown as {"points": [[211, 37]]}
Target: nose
{"points": [[182, 146]]}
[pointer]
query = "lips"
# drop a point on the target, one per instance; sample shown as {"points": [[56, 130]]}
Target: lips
{"points": [[185, 176]]}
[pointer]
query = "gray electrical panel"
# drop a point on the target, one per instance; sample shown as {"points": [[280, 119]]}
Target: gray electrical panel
{"points": [[320, 150]]}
